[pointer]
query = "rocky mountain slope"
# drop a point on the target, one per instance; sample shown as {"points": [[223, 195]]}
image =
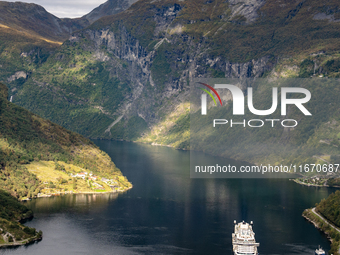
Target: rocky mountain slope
{"points": [[29, 34], [127, 76]]}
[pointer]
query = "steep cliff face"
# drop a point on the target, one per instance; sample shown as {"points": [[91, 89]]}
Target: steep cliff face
{"points": [[127, 76], [159, 76], [153, 73]]}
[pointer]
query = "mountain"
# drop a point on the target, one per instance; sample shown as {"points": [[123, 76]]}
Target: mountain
{"points": [[38, 156], [108, 8], [127, 75], [29, 34], [33, 19]]}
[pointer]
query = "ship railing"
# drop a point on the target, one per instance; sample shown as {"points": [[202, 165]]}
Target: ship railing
{"points": [[246, 243]]}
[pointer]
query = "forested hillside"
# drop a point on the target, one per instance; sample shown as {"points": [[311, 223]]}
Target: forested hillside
{"points": [[330, 208], [27, 138]]}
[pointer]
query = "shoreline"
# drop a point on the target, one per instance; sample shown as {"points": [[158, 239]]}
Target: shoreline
{"points": [[56, 181], [313, 185], [27, 241], [77, 193], [319, 223], [37, 237]]}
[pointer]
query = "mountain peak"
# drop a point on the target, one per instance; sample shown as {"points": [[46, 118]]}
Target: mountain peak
{"points": [[110, 7], [35, 20]]}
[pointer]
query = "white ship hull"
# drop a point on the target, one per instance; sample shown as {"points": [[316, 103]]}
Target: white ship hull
{"points": [[244, 240]]}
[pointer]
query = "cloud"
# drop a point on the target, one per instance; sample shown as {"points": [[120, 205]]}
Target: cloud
{"points": [[66, 8]]}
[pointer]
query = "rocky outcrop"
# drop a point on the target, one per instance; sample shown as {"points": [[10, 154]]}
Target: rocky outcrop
{"points": [[253, 68], [17, 75], [324, 16], [246, 8]]}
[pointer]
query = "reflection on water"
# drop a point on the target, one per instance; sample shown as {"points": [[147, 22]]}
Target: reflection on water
{"points": [[168, 213], [79, 203]]}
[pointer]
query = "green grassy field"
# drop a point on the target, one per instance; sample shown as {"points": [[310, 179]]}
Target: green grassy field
{"points": [[56, 178]]}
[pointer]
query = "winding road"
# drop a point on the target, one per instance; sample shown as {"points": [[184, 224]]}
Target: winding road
{"points": [[330, 224], [325, 220]]}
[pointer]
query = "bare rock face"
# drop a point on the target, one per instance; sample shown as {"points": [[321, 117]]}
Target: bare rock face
{"points": [[249, 69], [191, 62], [324, 16], [165, 16], [17, 75], [253, 68], [246, 8]]}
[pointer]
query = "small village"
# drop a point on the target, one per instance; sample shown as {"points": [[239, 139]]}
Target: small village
{"points": [[313, 181], [90, 177], [329, 180], [59, 178]]}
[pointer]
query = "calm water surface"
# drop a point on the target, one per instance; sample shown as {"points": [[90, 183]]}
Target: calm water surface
{"points": [[168, 213]]}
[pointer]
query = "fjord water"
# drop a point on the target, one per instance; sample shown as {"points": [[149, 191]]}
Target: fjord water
{"points": [[166, 212]]}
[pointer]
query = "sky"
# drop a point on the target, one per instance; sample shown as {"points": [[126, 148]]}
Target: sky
{"points": [[66, 8]]}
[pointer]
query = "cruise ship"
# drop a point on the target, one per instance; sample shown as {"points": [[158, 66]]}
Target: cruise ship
{"points": [[244, 239]]}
